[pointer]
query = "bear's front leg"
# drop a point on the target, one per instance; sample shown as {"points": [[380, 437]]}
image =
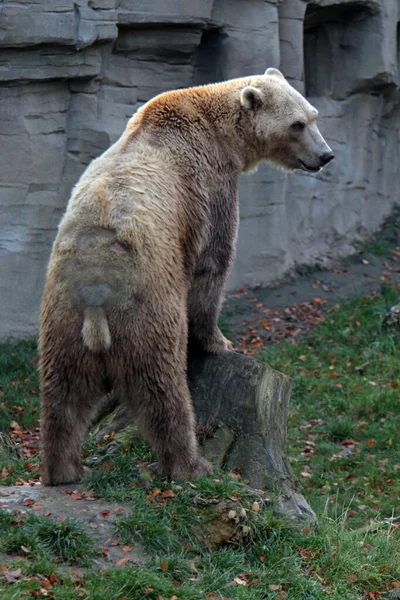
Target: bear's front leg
{"points": [[205, 300], [211, 271]]}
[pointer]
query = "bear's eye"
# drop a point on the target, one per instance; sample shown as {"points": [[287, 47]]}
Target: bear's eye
{"points": [[298, 126]]}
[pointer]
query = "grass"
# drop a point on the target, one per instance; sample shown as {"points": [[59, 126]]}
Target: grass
{"points": [[344, 443], [19, 399], [283, 563], [345, 418], [19, 409], [387, 239], [45, 539]]}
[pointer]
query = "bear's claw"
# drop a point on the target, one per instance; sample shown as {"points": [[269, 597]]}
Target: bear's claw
{"points": [[219, 345]]}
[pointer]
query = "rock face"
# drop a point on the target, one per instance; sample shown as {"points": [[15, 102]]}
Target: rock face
{"points": [[72, 73]]}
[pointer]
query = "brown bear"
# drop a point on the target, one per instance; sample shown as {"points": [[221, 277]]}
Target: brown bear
{"points": [[142, 255]]}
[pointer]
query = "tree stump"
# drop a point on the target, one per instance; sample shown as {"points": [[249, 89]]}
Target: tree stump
{"points": [[242, 410], [391, 321]]}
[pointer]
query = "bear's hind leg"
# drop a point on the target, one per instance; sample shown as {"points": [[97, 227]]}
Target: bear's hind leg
{"points": [[166, 416], [71, 385], [152, 382]]}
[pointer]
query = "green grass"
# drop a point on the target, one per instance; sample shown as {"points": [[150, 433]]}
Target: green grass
{"points": [[332, 562], [43, 538], [387, 239], [19, 407], [344, 443], [346, 405], [19, 385]]}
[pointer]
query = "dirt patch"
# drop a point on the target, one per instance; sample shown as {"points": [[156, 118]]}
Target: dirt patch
{"points": [[96, 516], [286, 309]]}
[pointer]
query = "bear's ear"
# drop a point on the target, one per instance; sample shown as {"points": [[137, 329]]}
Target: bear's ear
{"points": [[250, 97], [274, 73]]}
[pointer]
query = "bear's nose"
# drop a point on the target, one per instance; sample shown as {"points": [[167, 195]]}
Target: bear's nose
{"points": [[326, 157]]}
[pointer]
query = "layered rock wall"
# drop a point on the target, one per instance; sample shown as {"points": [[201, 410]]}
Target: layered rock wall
{"points": [[73, 72]]}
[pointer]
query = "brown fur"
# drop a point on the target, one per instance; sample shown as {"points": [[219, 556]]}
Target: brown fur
{"points": [[141, 260]]}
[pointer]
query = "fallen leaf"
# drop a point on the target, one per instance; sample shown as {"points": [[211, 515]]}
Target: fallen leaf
{"points": [[76, 496], [127, 548], [106, 466], [164, 566], [25, 549], [153, 494], [168, 494], [122, 561], [28, 502], [352, 578]]}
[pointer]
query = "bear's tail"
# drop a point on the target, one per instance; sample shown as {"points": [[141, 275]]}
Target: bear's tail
{"points": [[95, 330]]}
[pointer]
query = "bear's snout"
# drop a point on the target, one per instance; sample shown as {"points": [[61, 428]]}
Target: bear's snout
{"points": [[326, 157]]}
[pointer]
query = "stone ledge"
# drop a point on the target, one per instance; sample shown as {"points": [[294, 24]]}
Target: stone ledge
{"points": [[48, 63], [59, 22]]}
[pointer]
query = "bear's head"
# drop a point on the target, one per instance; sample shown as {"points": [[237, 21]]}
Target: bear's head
{"points": [[283, 124]]}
